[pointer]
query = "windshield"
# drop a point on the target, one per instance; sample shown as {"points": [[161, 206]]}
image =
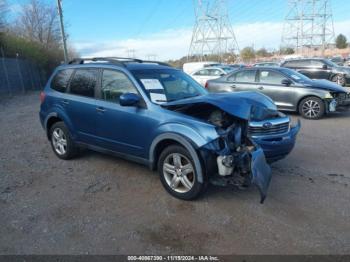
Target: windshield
{"points": [[297, 77], [167, 85]]}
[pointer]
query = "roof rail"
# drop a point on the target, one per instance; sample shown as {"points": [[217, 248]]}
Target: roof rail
{"points": [[114, 60]]}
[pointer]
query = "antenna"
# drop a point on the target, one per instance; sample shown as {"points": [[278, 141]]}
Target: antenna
{"points": [[213, 34], [308, 25]]}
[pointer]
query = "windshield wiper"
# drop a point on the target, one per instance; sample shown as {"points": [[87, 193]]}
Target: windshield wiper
{"points": [[173, 100]]}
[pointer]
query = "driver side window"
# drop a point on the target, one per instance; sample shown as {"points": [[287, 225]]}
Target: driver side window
{"points": [[270, 77], [114, 84]]}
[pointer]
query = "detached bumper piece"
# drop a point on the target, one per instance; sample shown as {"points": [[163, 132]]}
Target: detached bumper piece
{"points": [[261, 173]]}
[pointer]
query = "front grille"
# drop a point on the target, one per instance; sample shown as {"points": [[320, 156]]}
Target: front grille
{"points": [[267, 131]]}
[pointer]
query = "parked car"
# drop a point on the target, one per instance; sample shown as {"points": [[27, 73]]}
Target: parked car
{"points": [[339, 60], [290, 90], [189, 68], [237, 66], [264, 64], [159, 116], [318, 68], [207, 73]]}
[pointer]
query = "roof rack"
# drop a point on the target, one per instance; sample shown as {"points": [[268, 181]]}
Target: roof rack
{"points": [[114, 60]]}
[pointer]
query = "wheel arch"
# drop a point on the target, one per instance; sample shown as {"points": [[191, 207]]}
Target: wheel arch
{"points": [[53, 118], [307, 96], [167, 139]]}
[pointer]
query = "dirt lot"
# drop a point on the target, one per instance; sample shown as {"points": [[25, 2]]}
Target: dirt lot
{"points": [[98, 204]]}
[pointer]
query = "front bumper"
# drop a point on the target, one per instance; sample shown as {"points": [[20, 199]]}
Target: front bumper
{"points": [[278, 147]]}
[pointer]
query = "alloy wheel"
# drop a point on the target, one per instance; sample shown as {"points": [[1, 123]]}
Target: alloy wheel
{"points": [[179, 173], [311, 109], [59, 141]]}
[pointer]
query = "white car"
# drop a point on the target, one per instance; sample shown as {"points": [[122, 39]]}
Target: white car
{"points": [[189, 68], [209, 73]]}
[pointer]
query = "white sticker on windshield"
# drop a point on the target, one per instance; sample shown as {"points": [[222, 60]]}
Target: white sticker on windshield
{"points": [[158, 98], [152, 84]]}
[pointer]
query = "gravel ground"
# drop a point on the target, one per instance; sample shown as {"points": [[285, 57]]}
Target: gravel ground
{"points": [[97, 204]]}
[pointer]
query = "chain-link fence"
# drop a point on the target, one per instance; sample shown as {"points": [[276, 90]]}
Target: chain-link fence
{"points": [[18, 76]]}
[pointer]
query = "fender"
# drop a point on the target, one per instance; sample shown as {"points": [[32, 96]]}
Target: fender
{"points": [[185, 143], [65, 119]]}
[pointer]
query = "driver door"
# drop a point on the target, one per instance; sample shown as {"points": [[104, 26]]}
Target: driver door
{"points": [[119, 127], [270, 84]]}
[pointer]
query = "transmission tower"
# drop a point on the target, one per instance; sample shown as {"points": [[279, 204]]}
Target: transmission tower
{"points": [[213, 33], [308, 25]]}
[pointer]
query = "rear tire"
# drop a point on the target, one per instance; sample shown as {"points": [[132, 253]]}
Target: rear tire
{"points": [[312, 108], [339, 79], [178, 174], [61, 141]]}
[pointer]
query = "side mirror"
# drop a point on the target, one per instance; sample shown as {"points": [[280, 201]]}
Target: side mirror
{"points": [[325, 67], [129, 99], [286, 82]]}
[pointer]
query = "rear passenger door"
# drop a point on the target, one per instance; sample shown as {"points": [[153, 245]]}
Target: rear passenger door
{"points": [[243, 80], [80, 103]]}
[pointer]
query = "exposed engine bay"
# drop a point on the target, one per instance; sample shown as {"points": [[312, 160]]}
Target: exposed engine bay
{"points": [[233, 158]]}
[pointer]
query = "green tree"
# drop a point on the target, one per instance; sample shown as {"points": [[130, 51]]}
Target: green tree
{"points": [[287, 51], [247, 53], [341, 42], [262, 52]]}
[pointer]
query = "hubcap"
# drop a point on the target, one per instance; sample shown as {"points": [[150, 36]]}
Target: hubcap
{"points": [[59, 141], [179, 173], [311, 108]]}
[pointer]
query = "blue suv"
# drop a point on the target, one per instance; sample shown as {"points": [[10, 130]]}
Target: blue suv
{"points": [[156, 115]]}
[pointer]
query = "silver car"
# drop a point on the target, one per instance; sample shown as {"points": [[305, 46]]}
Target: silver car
{"points": [[204, 74], [290, 90]]}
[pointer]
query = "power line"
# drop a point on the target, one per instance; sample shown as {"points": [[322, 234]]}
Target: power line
{"points": [[213, 33], [308, 25]]}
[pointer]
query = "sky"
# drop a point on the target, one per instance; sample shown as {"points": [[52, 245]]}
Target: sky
{"points": [[164, 27]]}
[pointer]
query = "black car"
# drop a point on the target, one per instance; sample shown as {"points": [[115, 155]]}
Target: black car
{"points": [[318, 68]]}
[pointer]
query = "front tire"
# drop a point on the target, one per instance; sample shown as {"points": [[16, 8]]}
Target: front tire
{"points": [[178, 174], [312, 108], [61, 141]]}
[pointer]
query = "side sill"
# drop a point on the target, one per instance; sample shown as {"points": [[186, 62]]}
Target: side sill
{"points": [[128, 157]]}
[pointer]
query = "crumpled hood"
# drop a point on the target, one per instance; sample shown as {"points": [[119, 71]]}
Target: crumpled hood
{"points": [[327, 85], [238, 104]]}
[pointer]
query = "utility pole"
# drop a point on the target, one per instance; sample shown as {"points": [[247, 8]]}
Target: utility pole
{"points": [[64, 39], [213, 33], [308, 26]]}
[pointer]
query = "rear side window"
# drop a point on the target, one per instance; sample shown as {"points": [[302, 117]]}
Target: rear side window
{"points": [[61, 80], [84, 82]]}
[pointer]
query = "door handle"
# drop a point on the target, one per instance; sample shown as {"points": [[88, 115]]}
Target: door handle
{"points": [[233, 86], [65, 102], [100, 109], [261, 88]]}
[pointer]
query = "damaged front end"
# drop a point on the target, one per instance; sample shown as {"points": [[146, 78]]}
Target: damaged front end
{"points": [[232, 158], [239, 161]]}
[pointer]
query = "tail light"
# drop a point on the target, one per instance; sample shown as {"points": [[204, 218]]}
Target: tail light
{"points": [[42, 97], [206, 85]]}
